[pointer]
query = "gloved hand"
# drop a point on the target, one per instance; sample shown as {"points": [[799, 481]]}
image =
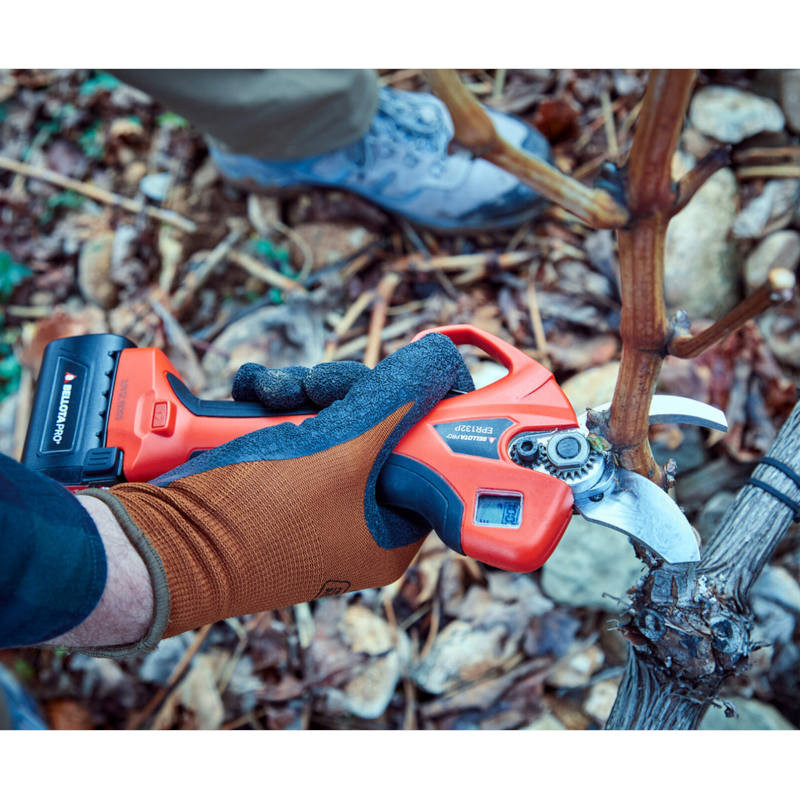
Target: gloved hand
{"points": [[291, 388], [288, 513]]}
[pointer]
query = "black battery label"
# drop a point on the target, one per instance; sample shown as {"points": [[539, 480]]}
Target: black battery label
{"points": [[65, 406], [474, 437]]}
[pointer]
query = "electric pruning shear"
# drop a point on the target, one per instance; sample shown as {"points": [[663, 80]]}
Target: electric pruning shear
{"points": [[497, 472]]}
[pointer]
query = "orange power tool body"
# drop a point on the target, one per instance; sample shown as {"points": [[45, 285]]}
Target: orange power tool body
{"points": [[496, 472]]}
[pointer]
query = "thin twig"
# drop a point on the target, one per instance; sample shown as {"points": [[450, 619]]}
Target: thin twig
{"points": [[264, 273], [183, 296], [698, 175], [357, 308], [163, 693], [778, 288], [433, 630], [499, 83], [419, 262], [608, 124], [357, 345], [536, 317], [766, 153], [98, 194], [475, 130], [398, 76], [769, 171], [383, 297]]}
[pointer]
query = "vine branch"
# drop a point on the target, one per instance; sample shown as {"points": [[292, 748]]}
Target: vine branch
{"points": [[778, 288], [689, 631], [474, 130]]}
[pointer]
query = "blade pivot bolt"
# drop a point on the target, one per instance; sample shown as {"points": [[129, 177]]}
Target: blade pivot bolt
{"points": [[568, 450]]}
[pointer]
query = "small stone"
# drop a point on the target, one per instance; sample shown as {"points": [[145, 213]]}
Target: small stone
{"points": [[779, 249], [781, 329], [590, 560], [134, 173], [790, 97], [701, 269], [368, 693], [547, 722], [777, 585], [731, 115], [753, 715], [156, 186], [601, 699], [577, 667], [486, 372], [687, 448], [591, 388], [199, 693], [772, 209], [460, 654], [330, 241], [710, 518], [94, 270], [125, 126], [367, 632]]}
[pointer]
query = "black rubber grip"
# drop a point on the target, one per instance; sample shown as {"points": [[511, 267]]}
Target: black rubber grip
{"points": [[227, 408], [406, 483]]}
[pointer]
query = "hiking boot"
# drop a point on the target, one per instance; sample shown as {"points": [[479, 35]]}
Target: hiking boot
{"points": [[402, 164], [18, 710]]}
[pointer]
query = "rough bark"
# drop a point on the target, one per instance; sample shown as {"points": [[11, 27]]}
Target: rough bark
{"points": [[689, 630]]}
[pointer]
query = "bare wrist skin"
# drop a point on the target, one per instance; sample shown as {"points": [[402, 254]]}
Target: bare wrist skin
{"points": [[125, 610]]}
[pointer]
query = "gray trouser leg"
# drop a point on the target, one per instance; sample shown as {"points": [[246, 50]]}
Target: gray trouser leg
{"points": [[275, 114]]}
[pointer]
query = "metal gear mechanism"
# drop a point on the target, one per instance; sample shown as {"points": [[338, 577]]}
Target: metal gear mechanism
{"points": [[565, 455]]}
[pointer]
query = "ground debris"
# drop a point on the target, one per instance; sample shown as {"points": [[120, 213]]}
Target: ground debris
{"points": [[453, 644]]}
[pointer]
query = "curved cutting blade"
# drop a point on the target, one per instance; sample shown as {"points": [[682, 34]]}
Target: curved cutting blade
{"points": [[672, 408], [638, 508]]}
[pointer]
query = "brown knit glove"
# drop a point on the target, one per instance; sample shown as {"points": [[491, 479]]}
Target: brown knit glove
{"points": [[288, 513]]}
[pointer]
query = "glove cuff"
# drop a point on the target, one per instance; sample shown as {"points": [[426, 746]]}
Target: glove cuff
{"points": [[158, 579]]}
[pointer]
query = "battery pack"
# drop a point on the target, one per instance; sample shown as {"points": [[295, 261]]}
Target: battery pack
{"points": [[67, 433]]}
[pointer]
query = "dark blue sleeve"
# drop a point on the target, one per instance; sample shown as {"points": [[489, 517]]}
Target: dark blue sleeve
{"points": [[52, 559]]}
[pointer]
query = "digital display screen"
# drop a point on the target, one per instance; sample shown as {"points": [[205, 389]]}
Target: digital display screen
{"points": [[498, 510]]}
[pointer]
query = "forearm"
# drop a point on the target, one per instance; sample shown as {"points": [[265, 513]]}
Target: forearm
{"points": [[126, 606]]}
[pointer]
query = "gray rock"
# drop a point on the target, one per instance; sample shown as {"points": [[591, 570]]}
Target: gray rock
{"points": [[779, 249], [777, 585], [781, 329], [709, 519], [461, 654], [158, 665], [591, 387], [772, 209], [589, 561], [689, 454], [753, 716], [370, 690], [701, 268], [790, 97], [731, 115], [547, 722], [773, 623], [601, 699], [576, 667]]}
